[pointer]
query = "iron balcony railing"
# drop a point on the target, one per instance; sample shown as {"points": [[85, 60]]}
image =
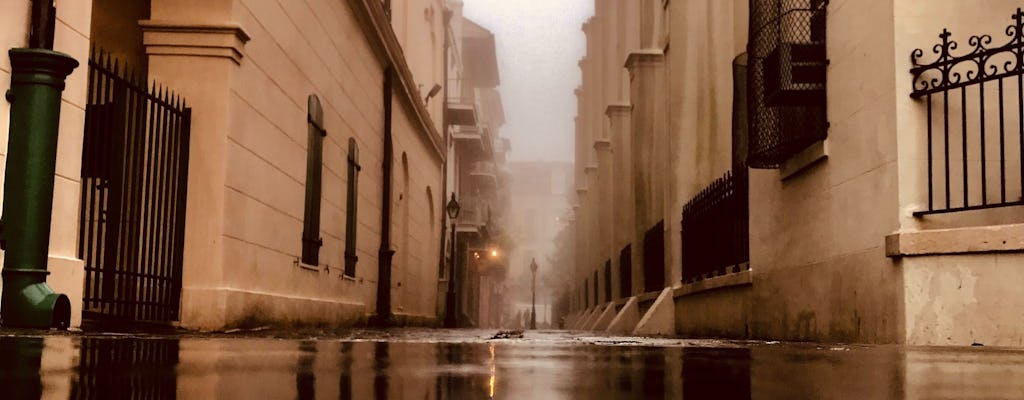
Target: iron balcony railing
{"points": [[484, 169], [462, 107], [473, 211], [715, 229], [786, 79], [975, 121]]}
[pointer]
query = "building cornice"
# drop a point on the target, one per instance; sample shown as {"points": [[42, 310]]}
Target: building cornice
{"points": [[644, 58], [191, 38], [618, 109], [377, 28]]}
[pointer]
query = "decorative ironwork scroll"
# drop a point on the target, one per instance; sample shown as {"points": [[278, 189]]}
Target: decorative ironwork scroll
{"points": [[975, 127]]}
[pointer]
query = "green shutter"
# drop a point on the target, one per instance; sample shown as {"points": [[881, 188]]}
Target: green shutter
{"points": [[311, 240]]}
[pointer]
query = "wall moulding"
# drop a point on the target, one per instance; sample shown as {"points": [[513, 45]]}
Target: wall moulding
{"points": [[799, 162], [742, 278], [643, 58], [614, 110], [185, 38]]}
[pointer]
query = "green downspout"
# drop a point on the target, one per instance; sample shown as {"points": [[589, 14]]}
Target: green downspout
{"points": [[37, 80]]}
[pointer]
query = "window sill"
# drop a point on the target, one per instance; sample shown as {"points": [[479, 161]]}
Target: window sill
{"points": [[348, 278], [307, 267], [799, 162], [742, 278], [972, 240]]}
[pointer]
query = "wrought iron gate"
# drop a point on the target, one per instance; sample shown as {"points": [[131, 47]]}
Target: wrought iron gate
{"points": [[134, 177]]}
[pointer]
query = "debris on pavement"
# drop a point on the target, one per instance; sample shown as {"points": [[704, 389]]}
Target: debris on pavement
{"points": [[508, 334]]}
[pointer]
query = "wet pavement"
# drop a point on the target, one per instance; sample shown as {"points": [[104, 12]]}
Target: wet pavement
{"points": [[467, 364]]}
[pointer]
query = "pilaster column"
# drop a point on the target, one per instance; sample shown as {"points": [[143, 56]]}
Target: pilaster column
{"points": [[648, 145], [197, 58], [592, 234], [604, 213], [648, 133], [580, 210]]}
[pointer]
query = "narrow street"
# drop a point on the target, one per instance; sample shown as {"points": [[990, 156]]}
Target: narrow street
{"points": [[467, 364], [596, 199]]}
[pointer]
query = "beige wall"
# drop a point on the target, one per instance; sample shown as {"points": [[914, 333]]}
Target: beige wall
{"points": [[419, 26], [295, 52], [816, 238]]}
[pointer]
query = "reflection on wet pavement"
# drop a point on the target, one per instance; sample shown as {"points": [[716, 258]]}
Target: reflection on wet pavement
{"points": [[117, 367]]}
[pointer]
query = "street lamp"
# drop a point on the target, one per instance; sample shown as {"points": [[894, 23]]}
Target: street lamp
{"points": [[452, 208], [533, 302]]}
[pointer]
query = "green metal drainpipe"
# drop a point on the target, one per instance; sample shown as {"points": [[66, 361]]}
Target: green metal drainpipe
{"points": [[37, 80]]}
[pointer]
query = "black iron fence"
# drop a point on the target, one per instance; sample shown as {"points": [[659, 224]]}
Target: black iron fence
{"points": [[654, 258], [975, 121], [715, 228], [626, 271], [786, 79], [134, 177], [608, 280]]}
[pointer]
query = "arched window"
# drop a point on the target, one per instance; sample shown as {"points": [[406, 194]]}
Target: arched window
{"points": [[351, 212], [311, 240]]}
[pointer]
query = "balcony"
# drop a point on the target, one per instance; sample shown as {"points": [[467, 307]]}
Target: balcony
{"points": [[462, 108], [468, 135], [485, 171], [472, 214], [463, 114]]}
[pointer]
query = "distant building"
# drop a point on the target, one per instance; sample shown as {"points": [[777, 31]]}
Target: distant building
{"points": [[538, 210]]}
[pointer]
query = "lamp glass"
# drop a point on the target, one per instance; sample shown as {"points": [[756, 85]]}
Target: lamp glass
{"points": [[452, 208]]}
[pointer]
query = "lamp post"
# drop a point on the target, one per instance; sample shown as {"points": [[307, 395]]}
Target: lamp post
{"points": [[450, 314], [533, 301]]}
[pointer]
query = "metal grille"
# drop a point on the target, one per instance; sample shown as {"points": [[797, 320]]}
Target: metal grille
{"points": [[626, 271], [134, 178], [975, 121], [786, 79], [608, 280], [715, 228], [126, 369], [586, 294], [654, 258]]}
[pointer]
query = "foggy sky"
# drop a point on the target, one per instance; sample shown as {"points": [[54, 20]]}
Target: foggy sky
{"points": [[539, 43]]}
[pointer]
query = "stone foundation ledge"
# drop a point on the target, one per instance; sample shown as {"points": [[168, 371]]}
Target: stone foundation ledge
{"points": [[970, 240], [741, 278]]}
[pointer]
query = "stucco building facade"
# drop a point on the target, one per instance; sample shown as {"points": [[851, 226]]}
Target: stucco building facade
{"points": [[313, 161], [772, 169], [477, 252]]}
